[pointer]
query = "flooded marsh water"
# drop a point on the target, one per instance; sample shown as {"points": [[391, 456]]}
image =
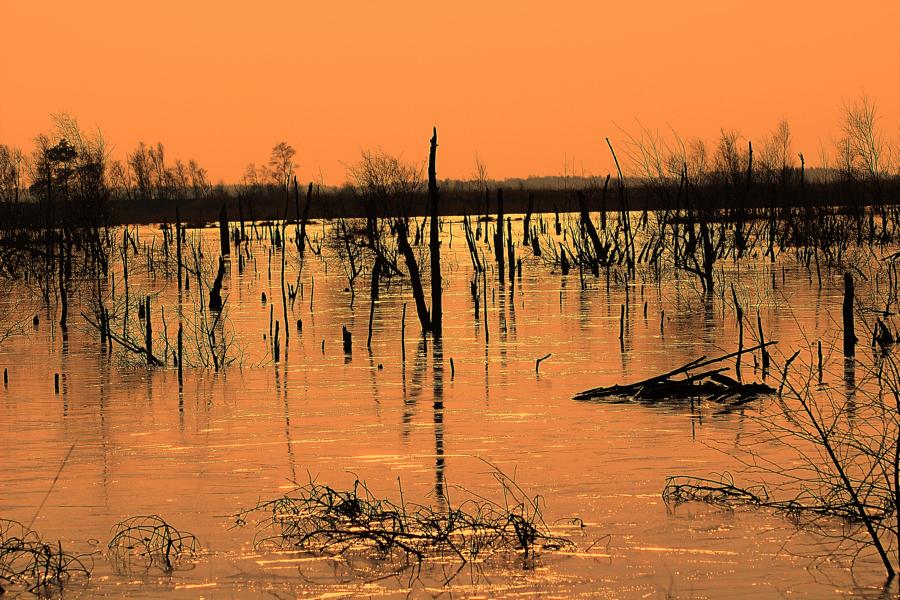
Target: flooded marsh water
{"points": [[138, 443]]}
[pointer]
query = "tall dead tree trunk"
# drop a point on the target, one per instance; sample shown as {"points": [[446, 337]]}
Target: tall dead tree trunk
{"points": [[434, 243], [178, 246], [499, 248]]}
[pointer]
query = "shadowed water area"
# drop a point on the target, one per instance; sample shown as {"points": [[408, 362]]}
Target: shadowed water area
{"points": [[196, 455]]}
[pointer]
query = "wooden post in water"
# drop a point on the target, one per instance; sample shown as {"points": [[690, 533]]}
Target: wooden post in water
{"points": [[849, 335]]}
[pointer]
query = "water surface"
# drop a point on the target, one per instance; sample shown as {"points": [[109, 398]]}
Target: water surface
{"points": [[228, 439]]}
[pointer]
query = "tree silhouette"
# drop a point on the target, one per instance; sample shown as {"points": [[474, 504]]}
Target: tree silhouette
{"points": [[281, 163]]}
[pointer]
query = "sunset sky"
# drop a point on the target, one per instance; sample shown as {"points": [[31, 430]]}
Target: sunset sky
{"points": [[526, 85]]}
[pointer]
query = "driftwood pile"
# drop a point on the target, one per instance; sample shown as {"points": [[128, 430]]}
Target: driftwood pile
{"points": [[688, 381]]}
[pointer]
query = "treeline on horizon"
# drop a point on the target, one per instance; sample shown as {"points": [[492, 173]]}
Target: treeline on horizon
{"points": [[69, 170]]}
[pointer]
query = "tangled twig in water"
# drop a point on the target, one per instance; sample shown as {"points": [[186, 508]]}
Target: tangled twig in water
{"points": [[320, 519], [152, 538], [27, 560]]}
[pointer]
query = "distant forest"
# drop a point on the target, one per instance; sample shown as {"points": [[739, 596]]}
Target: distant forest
{"points": [[70, 170]]}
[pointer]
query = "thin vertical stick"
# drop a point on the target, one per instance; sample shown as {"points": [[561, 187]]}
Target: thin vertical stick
{"points": [[403, 335]]}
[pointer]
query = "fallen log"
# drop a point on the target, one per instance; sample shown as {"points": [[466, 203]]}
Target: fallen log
{"points": [[687, 381]]}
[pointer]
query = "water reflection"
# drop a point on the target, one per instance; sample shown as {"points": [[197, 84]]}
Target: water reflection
{"points": [[411, 395], [288, 434], [438, 409]]}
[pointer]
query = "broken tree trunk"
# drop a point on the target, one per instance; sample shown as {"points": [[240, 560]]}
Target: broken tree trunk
{"points": [[499, 248], [415, 278], [591, 231], [215, 294], [434, 243], [526, 224]]}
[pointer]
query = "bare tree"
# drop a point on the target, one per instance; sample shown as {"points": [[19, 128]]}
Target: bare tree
{"points": [[480, 177], [387, 184], [251, 176], [863, 151], [382, 177], [776, 158], [198, 180], [119, 180], [12, 163], [731, 160], [281, 164], [139, 162]]}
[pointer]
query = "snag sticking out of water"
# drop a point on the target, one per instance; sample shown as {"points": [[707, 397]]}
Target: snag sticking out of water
{"points": [[686, 382]]}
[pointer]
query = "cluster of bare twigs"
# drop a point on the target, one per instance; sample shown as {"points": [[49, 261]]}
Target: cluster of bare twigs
{"points": [[154, 540], [320, 519], [843, 474], [724, 492], [39, 567], [135, 320]]}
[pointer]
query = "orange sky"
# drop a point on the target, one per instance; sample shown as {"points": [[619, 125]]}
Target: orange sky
{"points": [[525, 84]]}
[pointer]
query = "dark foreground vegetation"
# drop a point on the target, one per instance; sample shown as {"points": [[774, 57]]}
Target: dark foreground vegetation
{"points": [[314, 518]]}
